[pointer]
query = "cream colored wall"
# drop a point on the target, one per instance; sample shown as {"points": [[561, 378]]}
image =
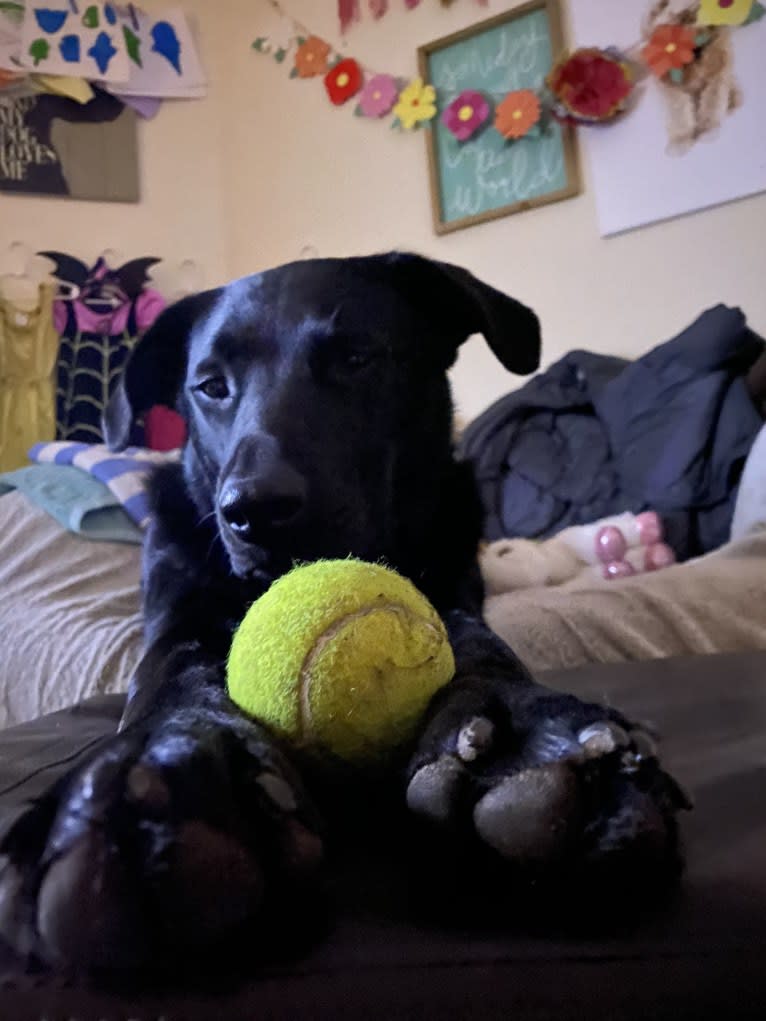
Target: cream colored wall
{"points": [[266, 168], [319, 176]]}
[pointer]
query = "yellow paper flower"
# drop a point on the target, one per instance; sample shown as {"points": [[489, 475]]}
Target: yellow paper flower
{"points": [[417, 103], [724, 12]]}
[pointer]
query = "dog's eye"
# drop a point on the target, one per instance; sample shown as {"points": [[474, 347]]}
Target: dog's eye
{"points": [[357, 359], [216, 388]]}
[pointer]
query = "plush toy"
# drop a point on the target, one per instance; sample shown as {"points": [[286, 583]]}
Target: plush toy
{"points": [[612, 548], [340, 656]]}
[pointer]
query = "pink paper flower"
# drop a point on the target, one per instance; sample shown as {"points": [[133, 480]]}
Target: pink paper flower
{"points": [[466, 114], [378, 95]]}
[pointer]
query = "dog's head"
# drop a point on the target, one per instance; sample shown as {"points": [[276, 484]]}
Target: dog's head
{"points": [[316, 397]]}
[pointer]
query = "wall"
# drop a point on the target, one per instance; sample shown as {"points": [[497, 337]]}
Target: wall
{"points": [[181, 212], [266, 167], [309, 174]]}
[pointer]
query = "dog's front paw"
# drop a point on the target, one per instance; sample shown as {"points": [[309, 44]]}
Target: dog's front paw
{"points": [[171, 839], [546, 782]]}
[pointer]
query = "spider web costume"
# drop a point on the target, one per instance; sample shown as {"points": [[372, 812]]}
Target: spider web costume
{"points": [[98, 331]]}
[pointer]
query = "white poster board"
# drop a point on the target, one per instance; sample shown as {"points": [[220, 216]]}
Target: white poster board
{"points": [[639, 175]]}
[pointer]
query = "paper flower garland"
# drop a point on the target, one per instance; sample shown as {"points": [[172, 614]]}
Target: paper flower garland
{"points": [[378, 96], [466, 114], [517, 114], [590, 86], [343, 81], [670, 48], [724, 12], [311, 57], [417, 103]]}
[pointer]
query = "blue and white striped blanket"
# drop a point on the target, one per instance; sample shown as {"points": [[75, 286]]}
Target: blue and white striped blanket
{"points": [[124, 473]]}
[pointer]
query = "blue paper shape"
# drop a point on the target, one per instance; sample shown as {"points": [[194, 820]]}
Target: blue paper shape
{"points": [[166, 43], [102, 51], [110, 14], [69, 47], [50, 21]]}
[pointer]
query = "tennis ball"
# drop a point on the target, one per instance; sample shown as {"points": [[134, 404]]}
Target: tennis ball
{"points": [[340, 656]]}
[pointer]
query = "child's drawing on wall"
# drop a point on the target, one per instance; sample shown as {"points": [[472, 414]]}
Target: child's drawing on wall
{"points": [[702, 92]]}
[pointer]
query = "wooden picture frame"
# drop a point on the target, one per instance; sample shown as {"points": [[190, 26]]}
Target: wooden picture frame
{"points": [[486, 177]]}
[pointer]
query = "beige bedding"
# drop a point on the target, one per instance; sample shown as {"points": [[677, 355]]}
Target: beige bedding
{"points": [[70, 626], [716, 603], [69, 613]]}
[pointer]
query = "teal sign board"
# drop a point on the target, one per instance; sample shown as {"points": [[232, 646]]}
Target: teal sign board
{"points": [[487, 176]]}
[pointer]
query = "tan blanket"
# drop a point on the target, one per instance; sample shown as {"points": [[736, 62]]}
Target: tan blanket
{"points": [[716, 603]]}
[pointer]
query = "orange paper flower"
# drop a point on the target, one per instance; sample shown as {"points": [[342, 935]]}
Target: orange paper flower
{"points": [[517, 114], [670, 48], [311, 57]]}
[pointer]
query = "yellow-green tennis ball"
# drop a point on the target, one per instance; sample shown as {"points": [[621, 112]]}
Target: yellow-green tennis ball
{"points": [[341, 656]]}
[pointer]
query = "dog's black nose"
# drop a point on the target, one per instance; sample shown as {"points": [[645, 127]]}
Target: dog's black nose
{"points": [[253, 507]]}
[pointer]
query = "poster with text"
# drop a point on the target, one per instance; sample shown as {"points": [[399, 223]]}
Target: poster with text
{"points": [[52, 146]]}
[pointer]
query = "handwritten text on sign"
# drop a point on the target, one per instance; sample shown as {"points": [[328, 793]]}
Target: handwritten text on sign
{"points": [[487, 172]]}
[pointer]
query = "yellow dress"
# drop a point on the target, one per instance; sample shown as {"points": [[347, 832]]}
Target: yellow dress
{"points": [[28, 350]]}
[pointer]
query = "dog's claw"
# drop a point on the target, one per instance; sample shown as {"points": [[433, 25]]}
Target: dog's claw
{"points": [[278, 790], [644, 745], [475, 738], [145, 787], [602, 738]]}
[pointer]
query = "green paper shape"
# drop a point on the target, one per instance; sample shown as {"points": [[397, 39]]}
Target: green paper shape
{"points": [[280, 55], [39, 50], [294, 73], [396, 123], [14, 11], [676, 75], [90, 19], [757, 11], [132, 45], [260, 43], [301, 40], [358, 111], [702, 39]]}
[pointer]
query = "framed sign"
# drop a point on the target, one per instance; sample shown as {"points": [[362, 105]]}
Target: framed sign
{"points": [[486, 176]]}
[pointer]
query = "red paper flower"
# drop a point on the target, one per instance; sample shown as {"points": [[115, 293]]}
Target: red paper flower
{"points": [[343, 81], [670, 48], [591, 85]]}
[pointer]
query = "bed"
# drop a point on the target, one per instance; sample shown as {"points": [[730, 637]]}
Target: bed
{"points": [[70, 613]]}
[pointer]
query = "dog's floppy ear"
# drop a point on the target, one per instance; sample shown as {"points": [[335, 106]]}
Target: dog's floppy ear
{"points": [[460, 305], [155, 368]]}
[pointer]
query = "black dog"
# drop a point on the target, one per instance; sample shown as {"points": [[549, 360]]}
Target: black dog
{"points": [[319, 420]]}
